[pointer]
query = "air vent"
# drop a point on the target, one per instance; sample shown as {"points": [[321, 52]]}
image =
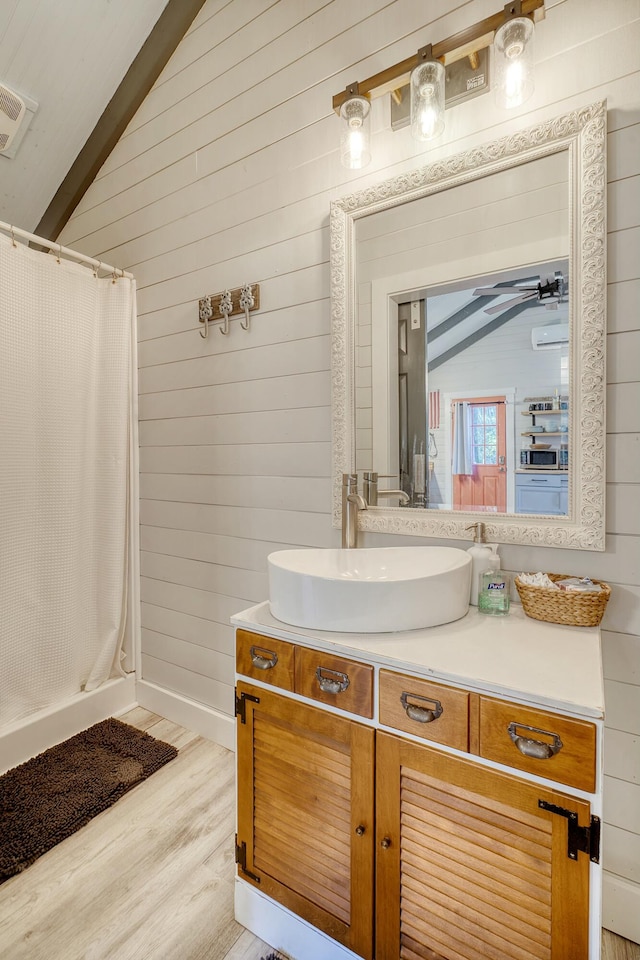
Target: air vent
{"points": [[16, 112], [12, 111]]}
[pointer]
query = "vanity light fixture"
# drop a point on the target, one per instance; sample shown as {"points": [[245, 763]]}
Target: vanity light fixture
{"points": [[354, 138], [427, 96], [513, 58], [510, 31]]}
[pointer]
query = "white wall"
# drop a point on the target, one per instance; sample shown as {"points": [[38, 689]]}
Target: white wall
{"points": [[225, 177]]}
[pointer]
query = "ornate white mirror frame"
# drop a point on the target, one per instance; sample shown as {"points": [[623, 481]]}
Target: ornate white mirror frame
{"points": [[582, 134]]}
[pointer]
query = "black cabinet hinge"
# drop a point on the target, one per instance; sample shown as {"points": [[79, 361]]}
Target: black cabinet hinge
{"points": [[241, 705], [241, 860], [579, 839]]}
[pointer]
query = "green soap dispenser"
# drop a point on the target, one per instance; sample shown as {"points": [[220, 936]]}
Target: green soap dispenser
{"points": [[493, 596]]}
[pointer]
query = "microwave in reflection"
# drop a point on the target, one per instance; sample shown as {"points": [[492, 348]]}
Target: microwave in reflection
{"points": [[540, 459]]}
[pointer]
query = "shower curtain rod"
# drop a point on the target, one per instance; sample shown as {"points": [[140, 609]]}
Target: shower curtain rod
{"points": [[63, 251]]}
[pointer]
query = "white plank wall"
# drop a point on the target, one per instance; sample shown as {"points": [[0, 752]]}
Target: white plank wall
{"points": [[225, 177]]}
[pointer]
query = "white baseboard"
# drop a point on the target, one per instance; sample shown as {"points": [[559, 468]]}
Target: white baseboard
{"points": [[25, 739], [188, 713], [621, 906], [282, 930]]}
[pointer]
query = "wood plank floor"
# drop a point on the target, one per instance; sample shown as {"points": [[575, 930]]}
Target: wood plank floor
{"points": [[152, 877]]}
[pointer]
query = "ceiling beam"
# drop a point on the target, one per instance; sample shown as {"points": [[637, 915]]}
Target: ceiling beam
{"points": [[170, 28], [477, 335], [473, 306]]}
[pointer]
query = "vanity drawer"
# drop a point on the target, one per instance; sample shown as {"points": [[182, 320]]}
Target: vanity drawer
{"points": [[266, 659], [342, 683], [425, 709], [546, 744]]}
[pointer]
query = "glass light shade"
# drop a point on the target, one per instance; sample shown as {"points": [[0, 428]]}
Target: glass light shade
{"points": [[427, 100], [513, 62], [355, 151]]}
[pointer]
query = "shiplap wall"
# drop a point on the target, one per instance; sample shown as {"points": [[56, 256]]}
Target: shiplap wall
{"points": [[224, 177]]}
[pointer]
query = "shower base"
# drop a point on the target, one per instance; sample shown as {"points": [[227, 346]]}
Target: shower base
{"points": [[28, 737]]}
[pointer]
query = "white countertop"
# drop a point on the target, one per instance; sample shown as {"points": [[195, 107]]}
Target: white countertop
{"points": [[514, 656], [554, 471]]}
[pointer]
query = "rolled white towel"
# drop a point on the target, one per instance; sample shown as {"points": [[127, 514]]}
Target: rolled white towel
{"points": [[538, 580]]}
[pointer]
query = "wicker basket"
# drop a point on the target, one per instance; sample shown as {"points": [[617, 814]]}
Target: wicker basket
{"points": [[563, 606]]}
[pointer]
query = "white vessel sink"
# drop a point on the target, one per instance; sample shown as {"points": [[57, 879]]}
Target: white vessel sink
{"points": [[378, 590]]}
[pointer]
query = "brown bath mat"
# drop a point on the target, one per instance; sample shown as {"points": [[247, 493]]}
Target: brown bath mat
{"points": [[51, 796]]}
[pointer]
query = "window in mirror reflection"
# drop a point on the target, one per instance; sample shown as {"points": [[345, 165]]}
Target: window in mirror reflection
{"points": [[482, 373], [485, 434]]}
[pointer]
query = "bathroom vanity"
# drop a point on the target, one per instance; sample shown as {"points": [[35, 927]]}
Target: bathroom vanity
{"points": [[435, 793]]}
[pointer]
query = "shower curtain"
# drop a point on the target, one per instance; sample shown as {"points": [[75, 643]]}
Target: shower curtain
{"points": [[65, 398]]}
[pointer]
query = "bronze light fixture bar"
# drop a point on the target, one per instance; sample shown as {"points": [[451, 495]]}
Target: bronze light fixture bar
{"points": [[465, 43]]}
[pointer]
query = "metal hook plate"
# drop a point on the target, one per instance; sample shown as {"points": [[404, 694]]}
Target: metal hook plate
{"points": [[215, 300]]}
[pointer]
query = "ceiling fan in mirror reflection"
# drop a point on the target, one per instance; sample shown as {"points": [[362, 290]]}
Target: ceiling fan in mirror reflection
{"points": [[547, 294]]}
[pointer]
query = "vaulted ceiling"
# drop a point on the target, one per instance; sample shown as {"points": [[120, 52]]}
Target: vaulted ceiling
{"points": [[70, 56]]}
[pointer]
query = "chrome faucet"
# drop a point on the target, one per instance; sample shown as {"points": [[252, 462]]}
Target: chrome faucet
{"points": [[371, 493], [352, 502]]}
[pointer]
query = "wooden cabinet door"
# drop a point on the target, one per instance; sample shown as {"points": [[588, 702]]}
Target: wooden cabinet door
{"points": [[469, 866], [305, 812]]}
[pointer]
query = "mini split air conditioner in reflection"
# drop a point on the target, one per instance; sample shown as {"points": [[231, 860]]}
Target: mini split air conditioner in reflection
{"points": [[551, 337]]}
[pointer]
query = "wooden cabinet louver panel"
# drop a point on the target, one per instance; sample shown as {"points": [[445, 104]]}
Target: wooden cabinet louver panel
{"points": [[443, 833], [482, 871], [305, 787], [306, 782]]}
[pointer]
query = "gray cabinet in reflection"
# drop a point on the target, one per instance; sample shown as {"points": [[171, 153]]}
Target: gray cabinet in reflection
{"points": [[542, 493]]}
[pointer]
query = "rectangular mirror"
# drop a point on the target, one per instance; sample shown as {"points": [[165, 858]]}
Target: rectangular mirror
{"points": [[468, 322]]}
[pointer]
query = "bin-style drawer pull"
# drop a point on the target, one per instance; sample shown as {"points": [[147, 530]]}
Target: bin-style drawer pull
{"points": [[537, 749], [262, 662], [331, 681], [421, 714]]}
